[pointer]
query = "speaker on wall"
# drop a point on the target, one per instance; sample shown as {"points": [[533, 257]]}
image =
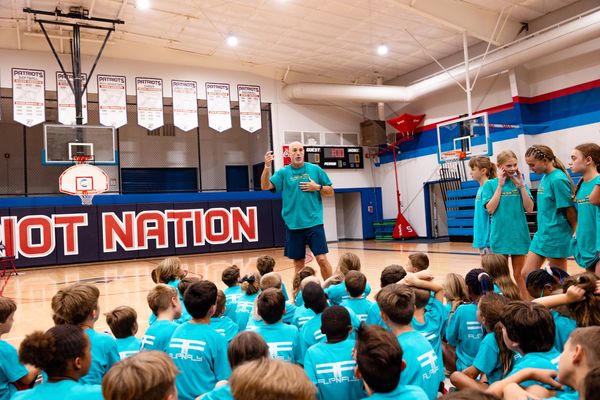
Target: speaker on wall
{"points": [[372, 132]]}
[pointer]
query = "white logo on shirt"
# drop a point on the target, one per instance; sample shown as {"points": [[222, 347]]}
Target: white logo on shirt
{"points": [[147, 340], [318, 335], [245, 306], [428, 359], [337, 369], [125, 354], [233, 298], [303, 320], [186, 346], [276, 347], [473, 326], [362, 317]]}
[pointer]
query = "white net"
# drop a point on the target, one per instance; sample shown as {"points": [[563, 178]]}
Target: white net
{"points": [[86, 199]]}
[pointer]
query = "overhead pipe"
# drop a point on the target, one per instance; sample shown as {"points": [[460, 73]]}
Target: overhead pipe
{"points": [[552, 39]]}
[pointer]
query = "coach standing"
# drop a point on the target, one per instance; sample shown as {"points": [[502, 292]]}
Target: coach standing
{"points": [[302, 185]]}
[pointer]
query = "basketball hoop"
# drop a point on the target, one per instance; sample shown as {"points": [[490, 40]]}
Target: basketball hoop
{"points": [[83, 179]]}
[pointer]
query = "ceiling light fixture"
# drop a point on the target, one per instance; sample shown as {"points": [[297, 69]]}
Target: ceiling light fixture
{"points": [[232, 40], [142, 4], [382, 50]]}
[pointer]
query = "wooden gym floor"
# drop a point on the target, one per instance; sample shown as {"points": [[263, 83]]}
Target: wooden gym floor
{"points": [[127, 282]]}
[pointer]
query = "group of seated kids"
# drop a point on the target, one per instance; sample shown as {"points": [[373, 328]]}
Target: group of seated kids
{"points": [[466, 337]]}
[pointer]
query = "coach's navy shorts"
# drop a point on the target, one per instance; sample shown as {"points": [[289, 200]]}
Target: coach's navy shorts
{"points": [[297, 239]]}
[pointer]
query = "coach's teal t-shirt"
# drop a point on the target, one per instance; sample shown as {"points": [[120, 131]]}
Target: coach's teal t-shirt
{"points": [[330, 367], [62, 390], [509, 233], [128, 346], [225, 327], [465, 333], [554, 232], [300, 210], [220, 393], [401, 392], [360, 307], [585, 244], [200, 354], [283, 341], [244, 307], [338, 293], [542, 360], [11, 370], [422, 364], [157, 335], [481, 223], [104, 355]]}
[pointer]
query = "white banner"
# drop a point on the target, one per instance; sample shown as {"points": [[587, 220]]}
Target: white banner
{"points": [[218, 106], [149, 102], [66, 99], [249, 101], [185, 104], [29, 105], [112, 100]]}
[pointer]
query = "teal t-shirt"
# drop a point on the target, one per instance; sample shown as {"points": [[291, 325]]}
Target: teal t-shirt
{"points": [[564, 327], [158, 335], [488, 360], [244, 307], [128, 346], [290, 311], [374, 317], [301, 316], [465, 333], [432, 328], [360, 307], [481, 223], [554, 232], [311, 332], [11, 370], [509, 233], [200, 354], [338, 293], [547, 360], [232, 294], [283, 341], [220, 393], [104, 355], [330, 367], [300, 209], [225, 327], [585, 244], [402, 392], [62, 390], [422, 364]]}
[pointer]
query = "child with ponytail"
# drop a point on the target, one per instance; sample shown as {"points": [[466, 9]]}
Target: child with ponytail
{"points": [[496, 265], [556, 214], [482, 169], [585, 159], [493, 359], [507, 198], [63, 353], [545, 281], [250, 285]]}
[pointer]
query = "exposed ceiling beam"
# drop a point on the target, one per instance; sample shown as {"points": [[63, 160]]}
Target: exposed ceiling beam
{"points": [[461, 16]]}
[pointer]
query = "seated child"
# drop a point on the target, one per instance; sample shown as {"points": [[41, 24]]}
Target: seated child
{"points": [[265, 265], [545, 281], [12, 371], [455, 293], [417, 262], [356, 283], [330, 365], [164, 302], [381, 365], [77, 304], [298, 278], [283, 340], [315, 300], [231, 278], [273, 280], [337, 293], [397, 305], [122, 322], [391, 274], [247, 346], [220, 323], [181, 288], [277, 380], [302, 314], [496, 266], [245, 303], [63, 353], [197, 350], [144, 376]]}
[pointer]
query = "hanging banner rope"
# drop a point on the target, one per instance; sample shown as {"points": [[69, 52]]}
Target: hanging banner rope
{"points": [[66, 99], [149, 102], [218, 106], [112, 100], [250, 113], [29, 104], [185, 104]]}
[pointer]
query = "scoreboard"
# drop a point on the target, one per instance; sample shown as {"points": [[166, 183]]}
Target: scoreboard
{"points": [[331, 157]]}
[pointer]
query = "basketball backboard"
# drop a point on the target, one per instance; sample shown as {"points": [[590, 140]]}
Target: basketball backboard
{"points": [[63, 143], [464, 138]]}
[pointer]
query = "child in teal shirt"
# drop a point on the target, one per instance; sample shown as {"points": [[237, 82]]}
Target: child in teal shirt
{"points": [[164, 302], [336, 293], [273, 280], [63, 353], [231, 277], [482, 169], [245, 304], [122, 322], [380, 364], [220, 323], [283, 340], [391, 274], [198, 350], [330, 365], [356, 283]]}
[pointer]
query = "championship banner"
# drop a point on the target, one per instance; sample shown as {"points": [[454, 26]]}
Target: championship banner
{"points": [[149, 102], [249, 101], [112, 100], [185, 104], [218, 106], [29, 105], [65, 99]]}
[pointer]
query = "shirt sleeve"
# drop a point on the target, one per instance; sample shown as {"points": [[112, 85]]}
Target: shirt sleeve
{"points": [[452, 328], [486, 358], [10, 366], [298, 350], [563, 193], [487, 192], [324, 178], [112, 354], [277, 180]]}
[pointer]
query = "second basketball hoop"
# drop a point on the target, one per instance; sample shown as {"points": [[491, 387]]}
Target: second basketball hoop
{"points": [[83, 180]]}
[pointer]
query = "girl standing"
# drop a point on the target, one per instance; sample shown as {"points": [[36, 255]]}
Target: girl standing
{"points": [[507, 199], [482, 169]]}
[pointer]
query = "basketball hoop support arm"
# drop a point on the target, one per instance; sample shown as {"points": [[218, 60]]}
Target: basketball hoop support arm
{"points": [[75, 86]]}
